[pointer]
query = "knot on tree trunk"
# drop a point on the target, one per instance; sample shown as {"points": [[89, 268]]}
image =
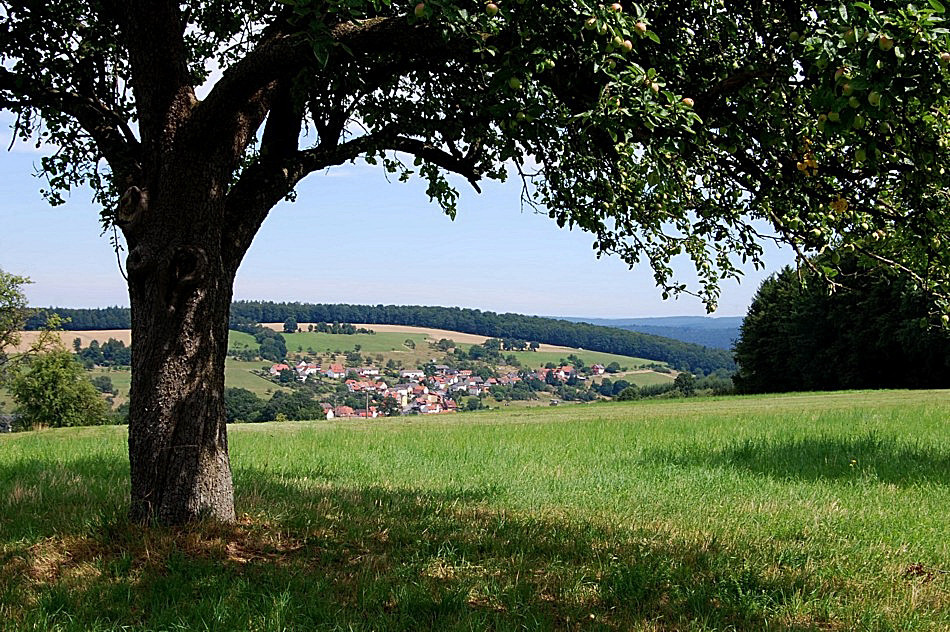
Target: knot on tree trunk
{"points": [[133, 205], [186, 270]]}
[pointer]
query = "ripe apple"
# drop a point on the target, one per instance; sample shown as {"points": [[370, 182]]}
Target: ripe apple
{"points": [[420, 9], [618, 41], [640, 28], [944, 58], [874, 98], [885, 43], [688, 102], [841, 72], [491, 8], [655, 87], [616, 7], [627, 46]]}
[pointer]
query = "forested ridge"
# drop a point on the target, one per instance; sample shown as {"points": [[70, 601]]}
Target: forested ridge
{"points": [[718, 333], [680, 355]]}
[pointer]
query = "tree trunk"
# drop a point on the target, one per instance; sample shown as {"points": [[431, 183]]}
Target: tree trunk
{"points": [[180, 288]]}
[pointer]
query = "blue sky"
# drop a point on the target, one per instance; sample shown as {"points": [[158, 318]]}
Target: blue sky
{"points": [[354, 237]]}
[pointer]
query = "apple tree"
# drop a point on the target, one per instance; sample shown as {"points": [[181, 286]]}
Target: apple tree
{"points": [[694, 128]]}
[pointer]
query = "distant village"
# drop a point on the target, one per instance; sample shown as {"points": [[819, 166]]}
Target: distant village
{"points": [[418, 392]]}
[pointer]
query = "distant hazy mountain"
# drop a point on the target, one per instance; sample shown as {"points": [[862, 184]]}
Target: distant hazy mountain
{"points": [[718, 333]]}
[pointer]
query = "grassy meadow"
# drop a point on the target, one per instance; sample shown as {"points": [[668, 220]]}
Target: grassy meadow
{"points": [[369, 343], [328, 343], [800, 512], [237, 374], [646, 378]]}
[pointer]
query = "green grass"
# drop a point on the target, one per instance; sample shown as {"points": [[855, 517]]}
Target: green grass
{"points": [[369, 343], [240, 341], [801, 512], [237, 374], [121, 381], [644, 379]]}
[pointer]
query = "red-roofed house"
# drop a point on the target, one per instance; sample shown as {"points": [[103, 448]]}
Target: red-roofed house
{"points": [[336, 371]]}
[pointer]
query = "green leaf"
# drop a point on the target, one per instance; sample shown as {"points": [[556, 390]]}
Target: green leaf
{"points": [[937, 6]]}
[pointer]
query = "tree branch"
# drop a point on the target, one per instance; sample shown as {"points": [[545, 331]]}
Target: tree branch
{"points": [[282, 131], [284, 51], [272, 178], [154, 37], [462, 165], [111, 132]]}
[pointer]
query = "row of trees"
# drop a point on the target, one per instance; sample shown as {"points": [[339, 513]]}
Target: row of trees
{"points": [[81, 319], [110, 353], [514, 330], [876, 332]]}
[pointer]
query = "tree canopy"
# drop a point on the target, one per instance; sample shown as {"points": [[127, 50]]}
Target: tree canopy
{"points": [[54, 391], [663, 129]]}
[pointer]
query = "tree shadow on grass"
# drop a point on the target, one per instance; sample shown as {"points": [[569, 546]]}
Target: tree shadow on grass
{"points": [[316, 555], [885, 459]]}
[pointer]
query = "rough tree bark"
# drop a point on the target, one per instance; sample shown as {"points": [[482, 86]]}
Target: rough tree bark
{"points": [[180, 288]]}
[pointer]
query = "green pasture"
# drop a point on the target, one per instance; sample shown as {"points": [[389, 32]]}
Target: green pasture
{"points": [[240, 341], [643, 379], [793, 513], [237, 374], [369, 343], [121, 380]]}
